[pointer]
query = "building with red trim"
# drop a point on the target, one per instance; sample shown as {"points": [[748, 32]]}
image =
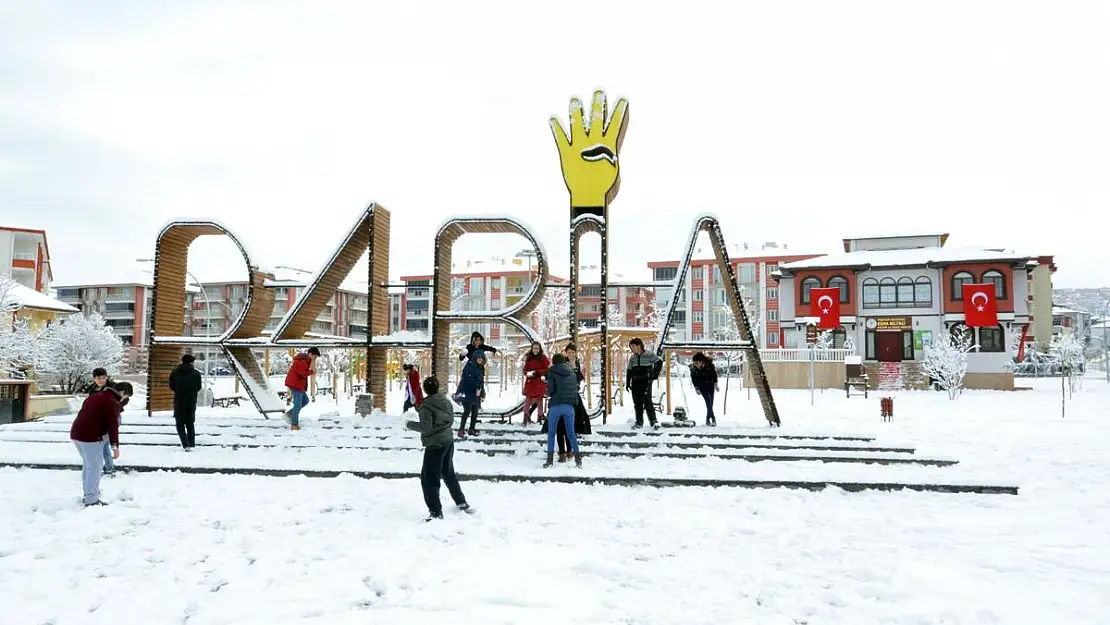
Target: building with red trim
{"points": [[899, 293], [703, 312], [26, 257]]}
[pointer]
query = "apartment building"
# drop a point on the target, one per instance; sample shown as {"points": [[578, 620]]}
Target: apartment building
{"points": [[125, 307], [629, 307], [703, 312], [25, 255]]}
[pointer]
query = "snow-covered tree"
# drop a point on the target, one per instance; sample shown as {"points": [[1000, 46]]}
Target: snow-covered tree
{"points": [[824, 340], [553, 316], [615, 317], [18, 351], [70, 350], [9, 303], [946, 360], [1069, 351]]}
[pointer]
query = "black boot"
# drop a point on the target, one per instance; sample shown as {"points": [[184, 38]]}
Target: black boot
{"points": [[562, 456], [550, 460], [578, 460]]}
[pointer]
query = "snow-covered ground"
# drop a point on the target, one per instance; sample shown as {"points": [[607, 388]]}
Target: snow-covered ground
{"points": [[207, 549]]}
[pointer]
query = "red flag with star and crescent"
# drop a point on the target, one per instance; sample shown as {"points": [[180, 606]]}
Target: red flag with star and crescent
{"points": [[826, 307], [980, 308]]}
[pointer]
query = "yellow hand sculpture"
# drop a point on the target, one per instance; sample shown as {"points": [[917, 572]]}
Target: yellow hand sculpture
{"points": [[591, 168]]}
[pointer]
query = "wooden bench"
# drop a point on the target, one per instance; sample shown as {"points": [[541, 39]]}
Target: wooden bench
{"points": [[855, 376], [225, 402]]}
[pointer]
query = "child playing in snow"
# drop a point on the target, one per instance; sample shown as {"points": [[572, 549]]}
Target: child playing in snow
{"points": [[97, 422], [436, 418], [413, 397], [472, 390], [562, 391]]}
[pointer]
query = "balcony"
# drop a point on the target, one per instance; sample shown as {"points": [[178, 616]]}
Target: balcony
{"points": [[118, 314], [419, 313], [120, 297], [421, 293]]}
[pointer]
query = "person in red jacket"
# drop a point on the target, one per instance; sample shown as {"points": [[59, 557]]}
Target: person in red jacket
{"points": [[304, 365], [413, 397], [97, 422], [536, 365]]}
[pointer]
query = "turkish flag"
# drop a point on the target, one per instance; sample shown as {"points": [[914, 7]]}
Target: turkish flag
{"points": [[980, 308], [826, 307]]}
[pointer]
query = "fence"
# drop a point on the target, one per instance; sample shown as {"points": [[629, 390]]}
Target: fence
{"points": [[802, 355]]}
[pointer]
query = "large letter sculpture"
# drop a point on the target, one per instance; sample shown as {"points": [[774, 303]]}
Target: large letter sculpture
{"points": [[245, 333]]}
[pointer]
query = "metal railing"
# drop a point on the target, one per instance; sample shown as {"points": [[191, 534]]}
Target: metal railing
{"points": [[802, 355]]}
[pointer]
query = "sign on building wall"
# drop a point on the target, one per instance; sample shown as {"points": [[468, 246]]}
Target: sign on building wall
{"points": [[893, 324], [922, 339]]}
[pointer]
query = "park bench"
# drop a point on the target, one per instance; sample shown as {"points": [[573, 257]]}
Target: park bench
{"points": [[225, 402], [855, 376]]}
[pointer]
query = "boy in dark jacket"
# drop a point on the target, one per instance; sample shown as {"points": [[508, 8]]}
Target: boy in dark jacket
{"points": [[643, 370], [100, 382], [472, 390], [186, 382], [96, 422], [562, 393], [436, 418], [703, 376], [304, 366]]}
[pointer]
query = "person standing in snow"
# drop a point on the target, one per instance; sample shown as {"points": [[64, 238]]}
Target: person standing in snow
{"points": [[562, 393], [477, 341], [413, 396], [186, 382], [304, 365], [703, 377], [643, 370], [436, 418], [96, 422], [100, 382], [472, 389], [581, 417], [535, 368]]}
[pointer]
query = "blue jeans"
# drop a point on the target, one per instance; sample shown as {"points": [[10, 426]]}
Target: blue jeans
{"points": [[109, 466], [300, 400], [565, 412], [92, 464]]}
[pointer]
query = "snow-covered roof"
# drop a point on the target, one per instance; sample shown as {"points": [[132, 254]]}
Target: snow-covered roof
{"points": [[1060, 310], [591, 274], [26, 297], [908, 258]]}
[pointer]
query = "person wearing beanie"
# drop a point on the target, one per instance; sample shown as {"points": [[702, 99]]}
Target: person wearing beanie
{"points": [[186, 382]]}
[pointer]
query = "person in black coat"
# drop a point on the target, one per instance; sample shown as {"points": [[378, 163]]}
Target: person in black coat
{"points": [[703, 376], [185, 382]]}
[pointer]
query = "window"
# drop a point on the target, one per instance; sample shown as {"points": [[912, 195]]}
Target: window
{"points": [[612, 292], [771, 268], [698, 295], [871, 293], [773, 338], [869, 345], [958, 282], [957, 329], [772, 293], [495, 283], [720, 299], [745, 273], [698, 336], [839, 336], [476, 286], [999, 283], [905, 292], [807, 285], [665, 273], [699, 273], [888, 293], [907, 345], [772, 315], [841, 283], [991, 340], [716, 273], [923, 292], [697, 317]]}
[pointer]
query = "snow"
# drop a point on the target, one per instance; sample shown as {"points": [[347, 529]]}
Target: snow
{"points": [[26, 297], [267, 398], [905, 257], [208, 549], [402, 336]]}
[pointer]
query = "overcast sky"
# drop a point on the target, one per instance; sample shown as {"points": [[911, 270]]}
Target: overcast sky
{"points": [[797, 122]]}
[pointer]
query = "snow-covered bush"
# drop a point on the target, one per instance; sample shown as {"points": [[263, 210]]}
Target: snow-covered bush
{"points": [[946, 361], [70, 350], [824, 340], [1069, 350]]}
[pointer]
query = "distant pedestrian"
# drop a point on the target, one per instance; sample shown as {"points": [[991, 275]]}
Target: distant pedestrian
{"points": [[437, 415], [186, 382], [535, 368], [643, 370], [562, 394], [703, 377], [472, 390], [296, 381], [413, 396], [97, 422]]}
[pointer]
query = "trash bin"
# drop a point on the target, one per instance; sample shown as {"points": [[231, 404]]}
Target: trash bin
{"points": [[886, 408]]}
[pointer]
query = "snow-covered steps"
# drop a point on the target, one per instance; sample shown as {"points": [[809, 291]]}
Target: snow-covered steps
{"points": [[693, 442], [657, 482], [525, 448]]}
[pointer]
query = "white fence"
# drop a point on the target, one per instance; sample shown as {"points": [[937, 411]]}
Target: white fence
{"points": [[802, 355]]}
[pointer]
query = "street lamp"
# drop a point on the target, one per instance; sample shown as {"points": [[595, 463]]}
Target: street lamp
{"points": [[207, 321]]}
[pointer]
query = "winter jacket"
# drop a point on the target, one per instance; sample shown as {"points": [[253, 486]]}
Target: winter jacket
{"points": [[99, 415], [472, 383], [471, 348], [643, 367], [297, 378], [414, 387], [562, 385], [185, 382], [703, 378], [436, 417], [537, 365]]}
